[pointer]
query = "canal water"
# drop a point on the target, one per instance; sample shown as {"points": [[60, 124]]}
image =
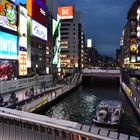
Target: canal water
{"points": [[79, 106]]}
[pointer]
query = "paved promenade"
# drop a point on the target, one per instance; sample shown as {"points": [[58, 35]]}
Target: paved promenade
{"points": [[20, 94]]}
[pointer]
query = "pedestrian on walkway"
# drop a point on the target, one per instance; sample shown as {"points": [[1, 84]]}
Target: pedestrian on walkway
{"points": [[12, 98], [1, 100], [32, 90], [26, 93]]}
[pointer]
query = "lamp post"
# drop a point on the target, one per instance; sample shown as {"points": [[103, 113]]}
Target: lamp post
{"points": [[36, 76]]}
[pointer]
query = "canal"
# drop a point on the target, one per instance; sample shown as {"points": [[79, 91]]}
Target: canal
{"points": [[79, 106]]}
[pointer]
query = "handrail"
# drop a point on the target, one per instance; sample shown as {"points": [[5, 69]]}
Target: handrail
{"points": [[53, 125]]}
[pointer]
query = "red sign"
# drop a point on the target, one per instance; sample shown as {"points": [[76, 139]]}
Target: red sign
{"points": [[65, 12], [37, 10]]}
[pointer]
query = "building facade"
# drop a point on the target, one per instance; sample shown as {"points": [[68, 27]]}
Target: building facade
{"points": [[71, 32], [29, 33], [131, 38]]}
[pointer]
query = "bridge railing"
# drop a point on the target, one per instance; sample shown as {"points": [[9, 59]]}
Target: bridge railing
{"points": [[52, 124], [13, 85], [100, 71], [22, 125]]}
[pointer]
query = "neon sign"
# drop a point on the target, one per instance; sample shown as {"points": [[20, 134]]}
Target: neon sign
{"points": [[8, 46]]}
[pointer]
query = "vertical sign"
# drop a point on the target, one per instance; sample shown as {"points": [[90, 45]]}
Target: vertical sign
{"points": [[22, 31], [138, 33], [56, 41]]}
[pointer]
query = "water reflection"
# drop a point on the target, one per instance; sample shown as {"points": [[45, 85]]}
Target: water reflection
{"points": [[80, 105]]}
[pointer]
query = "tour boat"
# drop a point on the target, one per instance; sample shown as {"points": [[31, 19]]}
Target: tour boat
{"points": [[108, 112]]}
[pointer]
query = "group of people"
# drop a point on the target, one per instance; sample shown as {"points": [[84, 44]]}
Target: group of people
{"points": [[30, 93], [12, 99], [104, 115]]}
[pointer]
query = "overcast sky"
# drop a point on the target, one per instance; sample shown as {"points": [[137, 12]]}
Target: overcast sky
{"points": [[103, 21]]}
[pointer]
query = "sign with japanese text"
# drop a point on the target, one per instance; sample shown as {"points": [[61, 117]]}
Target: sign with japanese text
{"points": [[22, 63], [22, 31]]}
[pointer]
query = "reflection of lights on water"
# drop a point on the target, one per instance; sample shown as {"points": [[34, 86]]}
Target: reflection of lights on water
{"points": [[90, 98]]}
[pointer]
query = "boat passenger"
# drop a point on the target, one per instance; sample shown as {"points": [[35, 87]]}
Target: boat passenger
{"points": [[115, 116], [102, 115]]}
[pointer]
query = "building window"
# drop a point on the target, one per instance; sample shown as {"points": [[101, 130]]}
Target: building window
{"points": [[64, 51], [64, 33], [64, 37]]}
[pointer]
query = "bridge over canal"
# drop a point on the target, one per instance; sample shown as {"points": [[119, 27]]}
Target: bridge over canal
{"points": [[101, 72]]}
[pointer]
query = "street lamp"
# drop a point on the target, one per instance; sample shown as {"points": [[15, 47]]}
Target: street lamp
{"points": [[36, 76]]}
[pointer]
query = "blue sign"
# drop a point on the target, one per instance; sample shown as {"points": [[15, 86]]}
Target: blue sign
{"points": [[19, 1], [41, 4], [138, 43], [138, 58], [8, 46]]}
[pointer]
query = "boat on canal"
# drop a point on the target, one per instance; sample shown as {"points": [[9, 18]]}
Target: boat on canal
{"points": [[108, 113]]}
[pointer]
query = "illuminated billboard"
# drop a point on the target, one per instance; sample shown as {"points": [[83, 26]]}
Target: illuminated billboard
{"points": [[8, 15], [39, 30], [65, 12], [8, 46], [22, 27], [89, 43], [56, 40], [8, 69], [138, 27], [22, 63], [22, 31], [19, 1], [37, 10]]}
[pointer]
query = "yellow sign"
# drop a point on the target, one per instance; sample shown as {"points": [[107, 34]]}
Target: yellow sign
{"points": [[22, 63]]}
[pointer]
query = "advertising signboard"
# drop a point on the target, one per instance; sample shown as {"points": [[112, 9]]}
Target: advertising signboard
{"points": [[8, 69], [39, 30], [22, 31], [65, 12], [56, 40], [138, 26], [19, 1], [22, 63], [8, 46], [37, 10], [8, 15], [89, 43]]}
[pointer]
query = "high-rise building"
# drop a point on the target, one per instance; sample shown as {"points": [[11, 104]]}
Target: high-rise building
{"points": [[131, 38], [71, 36]]}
